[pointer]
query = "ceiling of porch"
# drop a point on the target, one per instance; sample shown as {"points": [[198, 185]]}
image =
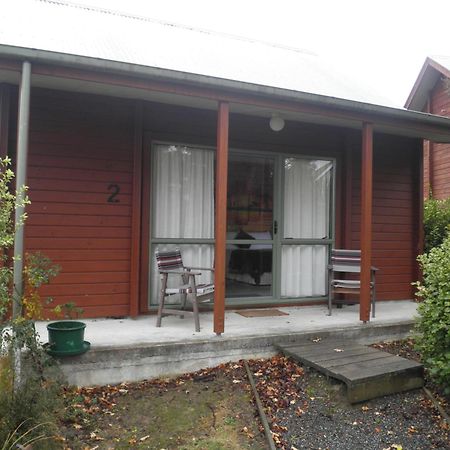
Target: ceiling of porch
{"points": [[321, 116]]}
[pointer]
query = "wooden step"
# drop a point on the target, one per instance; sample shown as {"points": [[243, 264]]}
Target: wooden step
{"points": [[367, 372]]}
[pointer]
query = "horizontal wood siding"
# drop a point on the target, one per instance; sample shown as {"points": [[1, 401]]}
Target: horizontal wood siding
{"points": [[440, 173], [394, 228], [79, 146]]}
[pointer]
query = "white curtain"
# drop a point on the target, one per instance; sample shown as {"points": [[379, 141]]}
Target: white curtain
{"points": [[306, 215], [183, 206], [183, 188]]}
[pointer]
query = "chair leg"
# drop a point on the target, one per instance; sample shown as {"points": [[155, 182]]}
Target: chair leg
{"points": [[373, 302], [185, 280], [162, 295], [196, 315], [373, 293], [330, 293], [194, 302]]}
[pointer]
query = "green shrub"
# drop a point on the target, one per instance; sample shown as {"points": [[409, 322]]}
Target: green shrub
{"points": [[436, 221], [433, 324], [29, 391]]}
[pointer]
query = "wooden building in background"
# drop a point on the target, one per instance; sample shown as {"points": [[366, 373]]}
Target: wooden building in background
{"points": [[431, 94], [126, 155]]}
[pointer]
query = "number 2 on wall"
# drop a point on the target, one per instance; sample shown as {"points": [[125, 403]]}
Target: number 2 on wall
{"points": [[115, 190]]}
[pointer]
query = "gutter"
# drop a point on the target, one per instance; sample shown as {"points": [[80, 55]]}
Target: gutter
{"points": [[129, 69]]}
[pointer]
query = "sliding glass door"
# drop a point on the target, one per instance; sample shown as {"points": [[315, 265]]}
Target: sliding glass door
{"points": [[279, 227], [250, 222]]}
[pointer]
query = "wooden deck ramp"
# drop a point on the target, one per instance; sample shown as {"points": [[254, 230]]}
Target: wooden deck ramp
{"points": [[367, 372]]}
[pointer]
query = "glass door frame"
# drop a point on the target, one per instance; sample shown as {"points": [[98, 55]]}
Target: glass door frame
{"points": [[329, 242], [278, 217], [272, 242], [277, 240]]}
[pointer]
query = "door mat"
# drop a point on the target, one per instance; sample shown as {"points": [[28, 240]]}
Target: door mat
{"points": [[261, 312]]}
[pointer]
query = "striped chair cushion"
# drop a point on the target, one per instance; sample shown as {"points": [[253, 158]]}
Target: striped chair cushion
{"points": [[347, 284], [202, 289], [169, 260]]}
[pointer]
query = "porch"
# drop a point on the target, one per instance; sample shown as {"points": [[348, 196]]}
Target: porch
{"points": [[134, 349]]}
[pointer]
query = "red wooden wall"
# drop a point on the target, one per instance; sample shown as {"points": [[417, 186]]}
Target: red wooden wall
{"points": [[437, 166], [79, 146], [395, 214]]}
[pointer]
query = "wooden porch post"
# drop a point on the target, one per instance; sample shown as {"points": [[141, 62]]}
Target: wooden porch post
{"points": [[366, 220], [221, 217]]}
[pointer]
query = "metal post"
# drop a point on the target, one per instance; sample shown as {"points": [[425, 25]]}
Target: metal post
{"points": [[21, 176]]}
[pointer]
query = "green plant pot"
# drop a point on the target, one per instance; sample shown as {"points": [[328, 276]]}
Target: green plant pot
{"points": [[66, 338]]}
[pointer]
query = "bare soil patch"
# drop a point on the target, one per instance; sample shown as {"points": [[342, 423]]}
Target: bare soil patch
{"points": [[206, 410]]}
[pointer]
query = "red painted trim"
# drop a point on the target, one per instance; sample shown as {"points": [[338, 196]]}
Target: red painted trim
{"points": [[8, 64], [5, 101], [136, 211], [145, 225], [366, 220], [221, 217]]}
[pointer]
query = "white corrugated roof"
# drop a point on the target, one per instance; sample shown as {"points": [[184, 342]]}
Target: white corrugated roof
{"points": [[69, 28]]}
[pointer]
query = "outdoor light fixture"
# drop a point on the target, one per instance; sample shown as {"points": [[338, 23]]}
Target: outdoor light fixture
{"points": [[276, 123]]}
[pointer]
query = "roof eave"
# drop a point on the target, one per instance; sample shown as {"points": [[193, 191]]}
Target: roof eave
{"points": [[124, 68]]}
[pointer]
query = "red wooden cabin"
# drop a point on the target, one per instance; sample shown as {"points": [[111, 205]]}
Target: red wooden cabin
{"points": [[126, 155], [431, 94]]}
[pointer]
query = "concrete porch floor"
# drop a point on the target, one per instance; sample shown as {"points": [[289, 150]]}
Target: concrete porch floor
{"points": [[133, 349]]}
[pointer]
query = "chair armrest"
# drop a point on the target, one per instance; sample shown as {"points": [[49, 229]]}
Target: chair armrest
{"points": [[180, 272], [211, 269]]}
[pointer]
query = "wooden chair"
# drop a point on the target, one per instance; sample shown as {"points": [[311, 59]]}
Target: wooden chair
{"points": [[347, 261], [171, 263]]}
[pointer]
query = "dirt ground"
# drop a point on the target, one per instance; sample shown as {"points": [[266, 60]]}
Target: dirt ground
{"points": [[210, 411], [214, 409]]}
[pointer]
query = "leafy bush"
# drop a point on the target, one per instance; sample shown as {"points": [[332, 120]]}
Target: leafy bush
{"points": [[29, 398], [436, 218], [433, 324]]}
